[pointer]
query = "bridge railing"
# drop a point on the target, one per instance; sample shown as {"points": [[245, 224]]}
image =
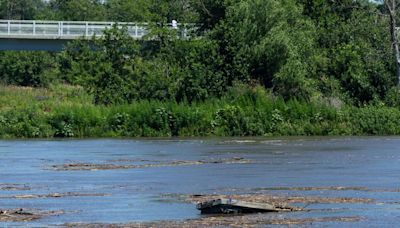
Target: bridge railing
{"points": [[63, 29]]}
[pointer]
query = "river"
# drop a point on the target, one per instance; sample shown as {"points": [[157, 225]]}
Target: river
{"points": [[56, 175]]}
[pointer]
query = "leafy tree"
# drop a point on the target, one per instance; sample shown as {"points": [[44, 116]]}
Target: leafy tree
{"points": [[151, 11], [20, 9], [211, 12], [200, 77], [271, 42], [78, 10], [393, 13], [25, 68], [353, 46], [130, 10], [298, 49], [183, 11], [104, 67]]}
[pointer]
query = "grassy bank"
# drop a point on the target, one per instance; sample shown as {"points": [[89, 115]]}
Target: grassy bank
{"points": [[65, 111]]}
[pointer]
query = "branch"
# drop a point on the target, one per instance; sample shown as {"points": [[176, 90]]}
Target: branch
{"points": [[205, 8]]}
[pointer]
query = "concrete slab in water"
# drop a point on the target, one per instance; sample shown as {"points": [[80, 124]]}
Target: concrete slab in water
{"points": [[231, 206]]}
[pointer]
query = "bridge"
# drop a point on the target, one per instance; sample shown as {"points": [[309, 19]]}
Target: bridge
{"points": [[53, 35]]}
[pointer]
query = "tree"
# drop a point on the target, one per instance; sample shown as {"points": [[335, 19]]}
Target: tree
{"points": [[104, 67], [129, 10], [392, 8], [211, 12], [78, 10], [183, 11], [151, 11], [20, 9], [24, 68], [353, 52], [269, 41]]}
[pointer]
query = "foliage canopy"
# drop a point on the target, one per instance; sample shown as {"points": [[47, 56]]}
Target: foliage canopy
{"points": [[298, 49]]}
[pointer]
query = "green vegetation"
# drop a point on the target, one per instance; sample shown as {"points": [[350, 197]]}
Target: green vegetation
{"points": [[257, 67], [66, 111]]}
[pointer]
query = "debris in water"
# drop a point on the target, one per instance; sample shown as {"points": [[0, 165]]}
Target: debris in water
{"points": [[93, 167], [14, 187], [25, 215], [52, 195], [277, 201], [232, 206], [246, 221]]}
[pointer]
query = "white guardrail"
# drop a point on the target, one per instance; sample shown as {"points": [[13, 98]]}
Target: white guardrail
{"points": [[20, 29]]}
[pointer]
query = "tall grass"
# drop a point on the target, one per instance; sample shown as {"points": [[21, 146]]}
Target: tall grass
{"points": [[65, 111]]}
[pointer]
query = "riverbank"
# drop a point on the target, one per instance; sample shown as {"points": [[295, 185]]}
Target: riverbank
{"points": [[67, 111]]}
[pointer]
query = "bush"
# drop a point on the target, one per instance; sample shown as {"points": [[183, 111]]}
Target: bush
{"points": [[23, 68]]}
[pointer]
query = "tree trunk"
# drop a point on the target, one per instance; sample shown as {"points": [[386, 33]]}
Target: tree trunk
{"points": [[391, 5]]}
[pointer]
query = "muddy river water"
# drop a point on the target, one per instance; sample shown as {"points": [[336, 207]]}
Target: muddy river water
{"points": [[341, 182]]}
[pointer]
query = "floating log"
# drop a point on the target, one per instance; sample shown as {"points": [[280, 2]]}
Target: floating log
{"points": [[231, 206]]}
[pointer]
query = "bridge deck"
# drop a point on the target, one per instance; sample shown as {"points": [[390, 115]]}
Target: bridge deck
{"points": [[67, 30]]}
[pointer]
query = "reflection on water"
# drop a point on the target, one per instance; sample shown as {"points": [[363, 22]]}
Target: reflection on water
{"points": [[310, 167]]}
